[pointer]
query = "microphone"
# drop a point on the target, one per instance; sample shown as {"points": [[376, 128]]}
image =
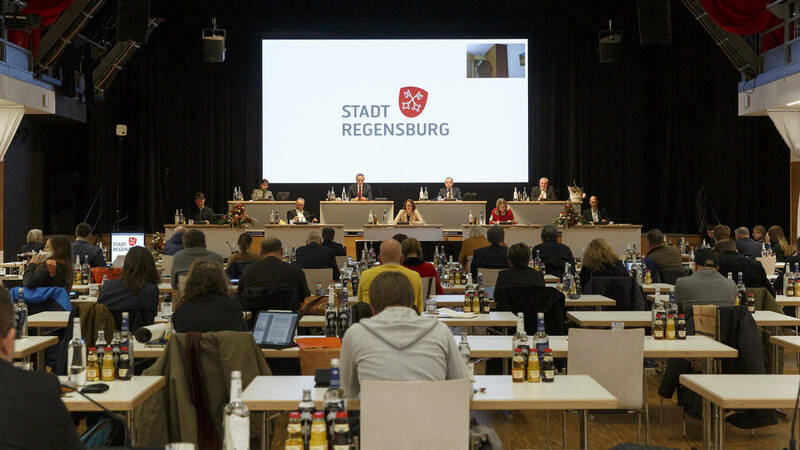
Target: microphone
{"points": [[71, 386], [229, 246]]}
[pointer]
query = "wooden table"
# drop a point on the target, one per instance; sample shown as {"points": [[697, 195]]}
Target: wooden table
{"points": [[451, 214], [722, 392], [296, 235], [421, 232], [282, 393], [25, 347], [353, 214], [122, 396], [530, 234], [642, 318], [48, 319]]}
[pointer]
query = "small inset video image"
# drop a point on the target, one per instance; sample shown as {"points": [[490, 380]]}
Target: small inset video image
{"points": [[495, 60]]}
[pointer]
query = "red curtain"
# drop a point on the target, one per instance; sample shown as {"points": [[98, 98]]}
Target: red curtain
{"points": [[49, 10], [745, 17]]}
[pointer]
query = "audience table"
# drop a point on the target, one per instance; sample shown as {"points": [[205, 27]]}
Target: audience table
{"points": [[528, 234], [617, 236], [502, 319], [282, 393], [451, 214], [27, 346], [586, 300], [294, 236], [122, 396], [663, 287], [724, 392], [353, 214], [48, 319], [539, 212], [784, 300], [422, 232], [643, 318], [261, 210]]}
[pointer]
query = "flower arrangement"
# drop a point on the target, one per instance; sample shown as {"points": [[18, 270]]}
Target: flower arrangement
{"points": [[156, 246], [237, 217], [569, 217]]}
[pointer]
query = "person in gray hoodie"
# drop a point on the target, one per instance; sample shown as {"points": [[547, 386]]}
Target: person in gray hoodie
{"points": [[397, 344]]}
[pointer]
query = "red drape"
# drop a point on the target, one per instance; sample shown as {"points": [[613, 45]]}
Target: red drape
{"points": [[745, 17], [49, 10]]}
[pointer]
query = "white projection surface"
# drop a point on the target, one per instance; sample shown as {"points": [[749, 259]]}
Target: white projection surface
{"points": [[396, 110]]}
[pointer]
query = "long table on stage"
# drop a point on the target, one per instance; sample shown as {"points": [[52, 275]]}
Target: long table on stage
{"points": [[539, 212], [353, 214], [617, 236], [451, 214], [426, 232], [295, 235], [529, 234], [261, 210], [217, 236]]}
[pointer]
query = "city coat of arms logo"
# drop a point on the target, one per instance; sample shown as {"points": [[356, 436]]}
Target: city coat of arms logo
{"points": [[412, 101]]}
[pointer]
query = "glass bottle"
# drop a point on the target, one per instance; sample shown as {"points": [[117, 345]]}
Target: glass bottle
{"points": [[548, 369], [334, 399], [78, 277], [306, 410], [115, 341], [751, 303], [21, 316], [741, 292], [658, 327], [92, 368], [124, 371], [518, 366], [236, 417], [77, 355], [107, 370], [463, 347], [520, 340], [344, 315], [681, 327], [669, 327], [319, 437], [534, 374], [540, 338], [331, 316], [294, 434], [341, 432]]}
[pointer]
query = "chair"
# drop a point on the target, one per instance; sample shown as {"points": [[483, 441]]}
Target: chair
{"points": [[166, 263], [624, 290], [177, 299], [341, 261], [323, 276], [614, 359], [427, 283], [768, 262], [235, 268], [282, 196], [531, 301], [256, 299], [489, 276], [670, 275], [421, 414]]}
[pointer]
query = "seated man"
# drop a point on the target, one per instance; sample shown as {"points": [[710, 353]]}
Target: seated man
{"points": [[272, 271], [32, 413], [477, 239], [448, 191], [520, 274], [314, 256], [730, 261], [495, 256], [543, 192], [397, 344], [328, 234], [194, 247], [83, 248], [706, 286], [745, 244], [359, 191], [554, 254], [298, 214], [199, 212], [175, 243], [391, 257], [659, 254], [595, 214]]}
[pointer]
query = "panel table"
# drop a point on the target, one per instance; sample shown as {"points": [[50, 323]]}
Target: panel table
{"points": [[426, 232], [296, 235], [617, 236], [539, 212], [353, 214], [451, 214], [217, 236], [529, 234], [261, 210]]}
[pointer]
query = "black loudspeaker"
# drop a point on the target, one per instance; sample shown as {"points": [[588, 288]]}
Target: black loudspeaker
{"points": [[214, 48], [611, 48], [133, 18], [655, 22]]}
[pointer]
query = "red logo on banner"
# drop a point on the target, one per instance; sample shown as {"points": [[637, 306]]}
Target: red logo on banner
{"points": [[412, 101], [132, 241]]}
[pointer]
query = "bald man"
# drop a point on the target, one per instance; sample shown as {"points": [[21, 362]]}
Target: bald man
{"points": [[391, 256], [543, 192]]}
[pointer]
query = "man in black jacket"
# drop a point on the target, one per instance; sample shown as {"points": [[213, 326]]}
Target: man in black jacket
{"points": [[553, 253], [328, 234], [495, 256], [314, 256], [32, 413], [730, 261], [83, 248], [595, 214], [272, 271], [199, 212]]}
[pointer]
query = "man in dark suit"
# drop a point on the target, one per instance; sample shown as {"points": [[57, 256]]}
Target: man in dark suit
{"points": [[745, 244], [199, 212], [554, 254], [495, 256], [543, 192], [298, 214], [730, 261], [314, 256], [448, 191], [272, 271], [83, 248], [595, 214], [32, 415], [359, 191], [328, 234]]}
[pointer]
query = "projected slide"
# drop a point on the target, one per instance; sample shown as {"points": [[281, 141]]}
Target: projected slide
{"points": [[399, 111]]}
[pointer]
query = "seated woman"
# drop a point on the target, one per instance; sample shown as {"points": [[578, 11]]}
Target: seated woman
{"points": [[35, 241], [409, 213], [599, 259], [412, 252], [780, 246], [136, 289], [501, 213], [520, 274], [476, 239], [237, 260], [205, 305], [54, 270]]}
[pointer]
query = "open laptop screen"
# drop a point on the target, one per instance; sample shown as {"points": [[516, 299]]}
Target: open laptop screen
{"points": [[275, 329]]}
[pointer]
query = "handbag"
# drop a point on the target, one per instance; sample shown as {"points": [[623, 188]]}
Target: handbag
{"points": [[314, 305]]}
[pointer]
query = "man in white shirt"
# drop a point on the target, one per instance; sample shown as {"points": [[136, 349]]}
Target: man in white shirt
{"points": [[543, 192], [595, 214], [299, 215]]}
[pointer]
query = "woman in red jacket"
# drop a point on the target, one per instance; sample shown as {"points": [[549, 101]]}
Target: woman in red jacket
{"points": [[502, 213], [412, 252]]}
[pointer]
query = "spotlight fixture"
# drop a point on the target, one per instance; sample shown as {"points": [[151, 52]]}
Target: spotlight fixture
{"points": [[213, 43]]}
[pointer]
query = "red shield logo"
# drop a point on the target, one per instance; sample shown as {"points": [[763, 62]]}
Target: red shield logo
{"points": [[132, 241], [412, 101]]}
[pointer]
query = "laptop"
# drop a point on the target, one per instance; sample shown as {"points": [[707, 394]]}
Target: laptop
{"points": [[275, 329]]}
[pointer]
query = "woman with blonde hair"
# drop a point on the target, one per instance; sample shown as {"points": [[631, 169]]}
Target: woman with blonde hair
{"points": [[780, 246], [501, 213], [599, 259]]}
